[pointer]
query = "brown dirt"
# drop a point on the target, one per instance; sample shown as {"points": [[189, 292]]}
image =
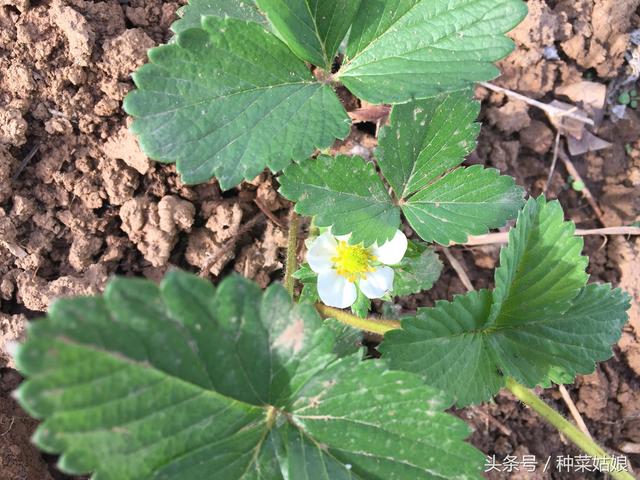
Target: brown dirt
{"points": [[79, 201]]}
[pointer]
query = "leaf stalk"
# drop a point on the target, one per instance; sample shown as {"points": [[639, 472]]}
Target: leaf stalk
{"points": [[565, 427], [379, 326], [292, 253]]}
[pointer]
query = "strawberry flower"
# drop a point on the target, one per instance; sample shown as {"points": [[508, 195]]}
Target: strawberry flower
{"points": [[343, 268]]}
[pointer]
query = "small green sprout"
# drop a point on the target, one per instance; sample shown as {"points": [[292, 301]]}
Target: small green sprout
{"points": [[629, 97], [624, 98], [577, 185]]}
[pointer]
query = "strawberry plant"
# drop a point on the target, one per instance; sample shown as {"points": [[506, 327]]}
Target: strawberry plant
{"points": [[189, 381]]}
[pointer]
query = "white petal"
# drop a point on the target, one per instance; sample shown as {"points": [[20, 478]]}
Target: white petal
{"points": [[377, 283], [335, 290], [321, 252], [392, 251]]}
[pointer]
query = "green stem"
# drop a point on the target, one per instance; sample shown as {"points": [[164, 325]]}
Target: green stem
{"points": [[565, 427], [582, 441], [292, 253], [379, 326]]}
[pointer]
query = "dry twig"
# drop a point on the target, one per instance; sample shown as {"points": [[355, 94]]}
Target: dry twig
{"points": [[15, 249], [549, 109], [503, 237], [585, 191], [556, 147], [460, 271], [575, 413], [371, 113], [26, 161], [13, 420], [270, 215], [629, 447], [491, 419]]}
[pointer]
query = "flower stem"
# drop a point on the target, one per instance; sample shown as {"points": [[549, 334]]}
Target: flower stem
{"points": [[292, 253], [565, 427], [379, 326]]}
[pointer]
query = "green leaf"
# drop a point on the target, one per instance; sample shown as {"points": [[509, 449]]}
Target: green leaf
{"points": [[418, 270], [309, 292], [418, 150], [577, 185], [348, 339], [228, 100], [192, 13], [344, 193], [466, 201], [427, 138], [362, 305], [309, 280], [391, 311], [305, 274], [313, 29], [446, 344], [401, 50], [184, 380], [424, 141], [570, 343], [541, 269], [540, 324]]}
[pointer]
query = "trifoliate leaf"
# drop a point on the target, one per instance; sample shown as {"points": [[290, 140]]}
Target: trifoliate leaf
{"points": [[466, 201], [418, 150], [313, 29], [192, 13], [190, 382], [417, 271], [401, 50], [423, 142], [344, 193], [215, 106], [427, 138], [540, 324]]}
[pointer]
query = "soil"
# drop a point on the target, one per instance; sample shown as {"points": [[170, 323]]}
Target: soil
{"points": [[79, 201]]}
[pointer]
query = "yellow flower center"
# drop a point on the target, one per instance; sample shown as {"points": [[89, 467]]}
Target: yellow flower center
{"points": [[353, 262]]}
